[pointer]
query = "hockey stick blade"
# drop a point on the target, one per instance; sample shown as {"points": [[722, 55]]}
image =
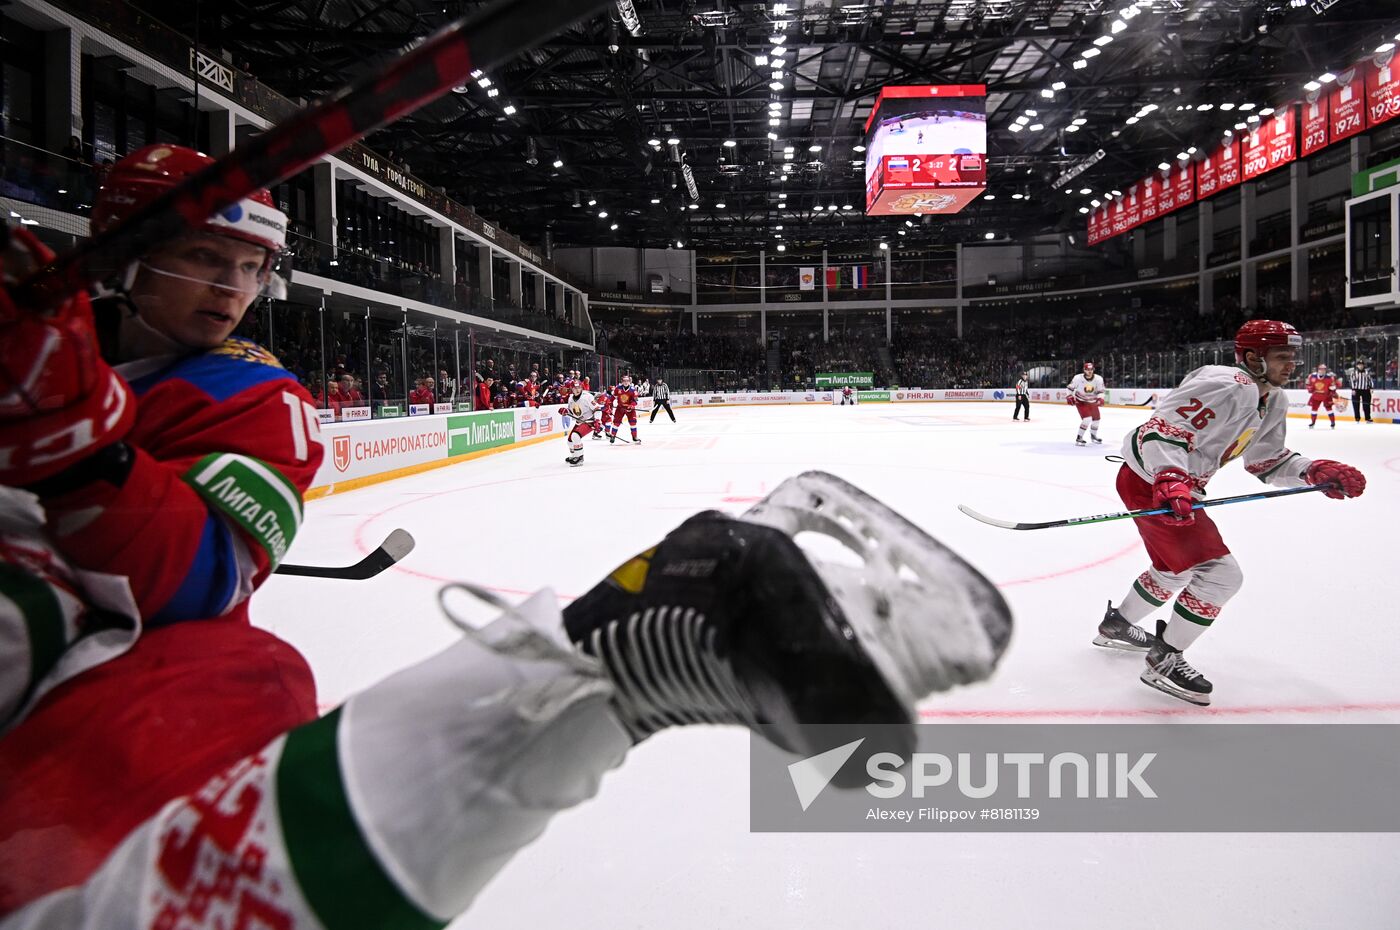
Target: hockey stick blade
{"points": [[1135, 514], [398, 544], [484, 40]]}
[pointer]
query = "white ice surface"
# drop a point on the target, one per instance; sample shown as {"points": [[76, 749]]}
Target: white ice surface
{"points": [[1310, 638]]}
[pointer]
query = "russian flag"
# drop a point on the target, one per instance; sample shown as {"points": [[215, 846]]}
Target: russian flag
{"points": [[860, 276]]}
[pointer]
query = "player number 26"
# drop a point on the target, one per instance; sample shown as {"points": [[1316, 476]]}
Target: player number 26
{"points": [[1197, 412]]}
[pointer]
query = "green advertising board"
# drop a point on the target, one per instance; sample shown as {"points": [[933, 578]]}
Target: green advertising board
{"points": [[473, 432], [855, 379], [390, 411], [873, 397]]}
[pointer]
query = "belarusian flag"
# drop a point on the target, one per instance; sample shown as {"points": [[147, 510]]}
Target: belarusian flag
{"points": [[833, 277]]}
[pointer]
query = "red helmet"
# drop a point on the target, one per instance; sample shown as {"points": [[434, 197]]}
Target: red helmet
{"points": [[145, 174], [1260, 335]]}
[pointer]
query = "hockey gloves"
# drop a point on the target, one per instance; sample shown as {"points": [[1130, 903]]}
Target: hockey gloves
{"points": [[59, 401], [1345, 480], [1173, 489]]}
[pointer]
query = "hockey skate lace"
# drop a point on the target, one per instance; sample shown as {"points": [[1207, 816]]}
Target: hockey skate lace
{"points": [[1180, 666], [667, 671]]}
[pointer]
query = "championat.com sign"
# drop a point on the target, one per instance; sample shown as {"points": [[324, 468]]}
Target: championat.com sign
{"points": [[1091, 778]]}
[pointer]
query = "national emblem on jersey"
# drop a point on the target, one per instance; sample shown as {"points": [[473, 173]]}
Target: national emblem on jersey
{"points": [[1088, 387], [246, 351]]}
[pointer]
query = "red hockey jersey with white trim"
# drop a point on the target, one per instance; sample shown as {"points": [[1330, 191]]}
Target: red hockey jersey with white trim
{"points": [[225, 443]]}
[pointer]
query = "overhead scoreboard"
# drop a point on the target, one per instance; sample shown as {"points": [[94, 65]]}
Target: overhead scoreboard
{"points": [[926, 149]]}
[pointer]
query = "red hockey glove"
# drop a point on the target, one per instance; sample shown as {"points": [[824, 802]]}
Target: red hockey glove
{"points": [[1173, 489], [59, 401], [1346, 481], [1070, 400]]}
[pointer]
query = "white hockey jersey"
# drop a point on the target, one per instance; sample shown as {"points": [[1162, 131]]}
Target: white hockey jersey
{"points": [[1088, 390], [581, 407], [1214, 416]]}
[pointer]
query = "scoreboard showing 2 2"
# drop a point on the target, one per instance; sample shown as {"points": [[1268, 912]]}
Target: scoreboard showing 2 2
{"points": [[925, 149]]}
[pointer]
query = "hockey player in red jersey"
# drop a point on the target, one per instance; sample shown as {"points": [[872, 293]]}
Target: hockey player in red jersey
{"points": [[167, 460], [1219, 413], [625, 402], [604, 401], [1322, 391]]}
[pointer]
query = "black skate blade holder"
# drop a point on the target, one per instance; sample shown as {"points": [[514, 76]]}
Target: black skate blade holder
{"points": [[929, 619]]}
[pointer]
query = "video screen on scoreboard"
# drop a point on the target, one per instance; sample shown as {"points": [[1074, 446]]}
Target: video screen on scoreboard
{"points": [[926, 149]]}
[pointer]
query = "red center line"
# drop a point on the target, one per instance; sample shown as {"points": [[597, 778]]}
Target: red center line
{"points": [[1374, 707]]}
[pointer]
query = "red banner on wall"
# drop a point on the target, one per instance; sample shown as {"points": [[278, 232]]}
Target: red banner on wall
{"points": [[1148, 189], [1132, 205], [1227, 165], [1346, 105], [1183, 185], [1312, 121], [1272, 143], [1166, 194], [1382, 87]]}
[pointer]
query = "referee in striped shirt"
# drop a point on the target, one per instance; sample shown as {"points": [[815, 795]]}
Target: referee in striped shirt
{"points": [[1361, 385], [661, 397]]}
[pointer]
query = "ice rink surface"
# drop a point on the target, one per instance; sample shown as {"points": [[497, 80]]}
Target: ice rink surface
{"points": [[1310, 638]]}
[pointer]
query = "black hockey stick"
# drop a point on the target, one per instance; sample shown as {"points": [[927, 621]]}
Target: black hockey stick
{"points": [[487, 39], [1134, 514], [398, 544]]}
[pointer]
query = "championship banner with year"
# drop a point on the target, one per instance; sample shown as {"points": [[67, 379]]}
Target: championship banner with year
{"points": [[1184, 185], [1271, 144], [1346, 105], [1313, 121], [1382, 87], [856, 379]]}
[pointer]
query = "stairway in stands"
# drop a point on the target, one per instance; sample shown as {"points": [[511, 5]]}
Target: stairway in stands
{"points": [[886, 366]]}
